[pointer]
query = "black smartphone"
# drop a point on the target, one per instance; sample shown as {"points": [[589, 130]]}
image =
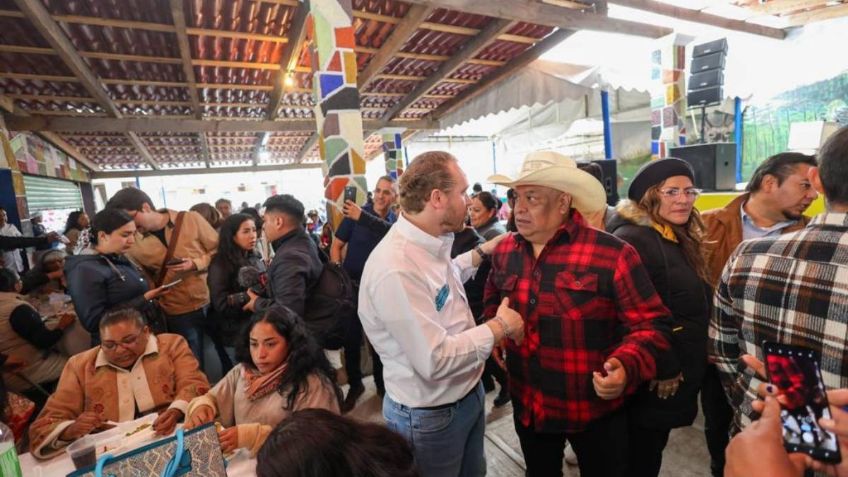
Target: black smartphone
{"points": [[173, 261], [796, 371], [350, 193]]}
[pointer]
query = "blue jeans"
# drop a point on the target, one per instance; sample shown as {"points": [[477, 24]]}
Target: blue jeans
{"points": [[190, 326], [446, 442]]}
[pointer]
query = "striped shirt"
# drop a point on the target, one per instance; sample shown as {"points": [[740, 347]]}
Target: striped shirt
{"points": [[792, 289]]}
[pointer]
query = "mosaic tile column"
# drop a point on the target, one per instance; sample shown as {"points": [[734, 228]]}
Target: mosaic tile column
{"points": [[337, 101], [668, 95], [393, 151], [17, 193]]}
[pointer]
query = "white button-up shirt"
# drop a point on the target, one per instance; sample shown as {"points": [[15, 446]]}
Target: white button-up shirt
{"points": [[133, 386], [413, 308]]}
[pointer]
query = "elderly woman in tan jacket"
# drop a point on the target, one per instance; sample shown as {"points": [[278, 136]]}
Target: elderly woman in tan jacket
{"points": [[282, 370], [130, 374]]}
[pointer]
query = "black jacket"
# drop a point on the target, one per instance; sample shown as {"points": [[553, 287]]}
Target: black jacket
{"points": [[475, 286], [11, 243], [687, 296], [98, 287], [293, 272], [222, 280]]}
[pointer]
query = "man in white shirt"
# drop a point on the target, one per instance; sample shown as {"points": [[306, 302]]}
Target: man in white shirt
{"points": [[11, 258], [413, 308]]}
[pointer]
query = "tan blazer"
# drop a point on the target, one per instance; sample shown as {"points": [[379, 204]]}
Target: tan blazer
{"points": [[87, 384], [197, 241]]}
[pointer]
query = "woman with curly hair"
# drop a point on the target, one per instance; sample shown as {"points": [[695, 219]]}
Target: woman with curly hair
{"points": [[77, 222], [281, 370]]}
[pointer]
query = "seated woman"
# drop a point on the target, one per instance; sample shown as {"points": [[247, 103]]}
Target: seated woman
{"points": [[47, 275], [130, 374], [282, 370], [316, 442], [24, 336]]}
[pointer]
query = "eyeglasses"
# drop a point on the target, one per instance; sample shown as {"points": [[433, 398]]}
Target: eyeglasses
{"points": [[125, 342], [674, 192]]}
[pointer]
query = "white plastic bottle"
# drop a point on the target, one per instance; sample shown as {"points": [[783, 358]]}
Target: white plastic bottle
{"points": [[9, 464]]}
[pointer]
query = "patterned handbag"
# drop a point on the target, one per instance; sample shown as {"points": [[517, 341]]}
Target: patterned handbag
{"points": [[196, 453]]}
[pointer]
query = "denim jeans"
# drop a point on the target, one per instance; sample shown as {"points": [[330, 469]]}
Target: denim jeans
{"points": [[446, 442], [190, 326]]}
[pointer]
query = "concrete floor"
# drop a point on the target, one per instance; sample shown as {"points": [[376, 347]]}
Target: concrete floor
{"points": [[685, 456]]}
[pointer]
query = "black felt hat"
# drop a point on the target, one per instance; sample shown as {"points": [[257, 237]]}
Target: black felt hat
{"points": [[655, 172]]}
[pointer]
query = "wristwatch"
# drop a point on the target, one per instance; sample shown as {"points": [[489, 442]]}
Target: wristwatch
{"points": [[483, 255]]}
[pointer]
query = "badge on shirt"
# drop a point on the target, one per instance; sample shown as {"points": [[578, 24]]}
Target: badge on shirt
{"points": [[442, 297]]}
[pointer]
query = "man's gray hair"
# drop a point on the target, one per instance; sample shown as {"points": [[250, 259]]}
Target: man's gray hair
{"points": [[121, 315]]}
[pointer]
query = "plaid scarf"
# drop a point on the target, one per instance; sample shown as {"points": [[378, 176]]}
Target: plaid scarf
{"points": [[259, 385]]}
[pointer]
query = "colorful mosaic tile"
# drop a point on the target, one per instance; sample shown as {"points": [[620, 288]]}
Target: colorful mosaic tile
{"points": [[668, 101]]}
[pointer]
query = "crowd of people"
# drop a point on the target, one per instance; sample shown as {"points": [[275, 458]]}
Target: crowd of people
{"points": [[602, 326]]}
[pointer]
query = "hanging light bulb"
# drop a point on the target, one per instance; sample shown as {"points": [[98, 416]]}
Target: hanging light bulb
{"points": [[288, 80]]}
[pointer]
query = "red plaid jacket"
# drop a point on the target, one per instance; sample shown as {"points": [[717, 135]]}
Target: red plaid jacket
{"points": [[586, 298]]}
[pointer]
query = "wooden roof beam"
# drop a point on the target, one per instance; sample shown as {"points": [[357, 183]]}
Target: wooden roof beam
{"points": [[512, 66], [471, 49], [188, 71], [413, 19], [187, 125], [307, 146], [115, 174], [777, 7], [531, 11], [819, 14], [696, 16], [40, 18]]}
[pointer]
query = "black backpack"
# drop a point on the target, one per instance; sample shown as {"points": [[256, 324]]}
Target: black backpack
{"points": [[331, 306]]}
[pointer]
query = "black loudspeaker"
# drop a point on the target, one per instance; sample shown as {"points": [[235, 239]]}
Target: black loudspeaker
{"points": [[714, 164], [707, 48], [705, 96], [707, 79], [708, 62], [610, 182]]}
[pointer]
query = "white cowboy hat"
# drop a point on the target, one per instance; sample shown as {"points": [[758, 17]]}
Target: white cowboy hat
{"points": [[552, 169]]}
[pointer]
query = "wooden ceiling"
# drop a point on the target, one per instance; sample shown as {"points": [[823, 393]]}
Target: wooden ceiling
{"points": [[175, 84]]}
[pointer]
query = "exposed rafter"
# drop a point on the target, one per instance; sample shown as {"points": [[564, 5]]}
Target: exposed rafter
{"points": [[8, 104], [688, 14], [817, 15], [40, 18], [413, 19], [288, 60], [117, 174], [515, 64], [777, 7], [471, 49], [188, 71], [531, 11], [188, 125], [307, 146]]}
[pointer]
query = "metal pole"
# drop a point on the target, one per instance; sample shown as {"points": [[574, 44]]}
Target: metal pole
{"points": [[737, 132], [494, 159], [605, 113]]}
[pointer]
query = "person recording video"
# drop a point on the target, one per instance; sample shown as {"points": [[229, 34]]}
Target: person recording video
{"points": [[235, 268]]}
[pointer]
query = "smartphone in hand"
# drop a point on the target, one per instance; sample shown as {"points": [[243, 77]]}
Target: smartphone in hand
{"points": [[173, 261], [350, 193], [796, 371], [172, 284]]}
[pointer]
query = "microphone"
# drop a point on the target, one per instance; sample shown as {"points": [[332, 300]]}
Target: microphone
{"points": [[250, 277]]}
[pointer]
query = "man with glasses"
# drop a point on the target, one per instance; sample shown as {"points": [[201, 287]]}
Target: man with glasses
{"points": [[131, 373], [358, 234], [777, 195]]}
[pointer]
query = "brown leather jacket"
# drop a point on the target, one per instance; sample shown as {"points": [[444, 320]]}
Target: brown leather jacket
{"points": [[724, 233]]}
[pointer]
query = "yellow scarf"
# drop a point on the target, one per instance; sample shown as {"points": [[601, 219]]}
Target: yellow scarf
{"points": [[665, 232]]}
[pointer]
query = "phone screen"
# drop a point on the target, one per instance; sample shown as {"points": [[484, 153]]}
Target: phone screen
{"points": [[795, 371], [173, 283]]}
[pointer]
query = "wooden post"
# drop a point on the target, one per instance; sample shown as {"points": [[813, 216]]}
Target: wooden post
{"points": [[337, 115]]}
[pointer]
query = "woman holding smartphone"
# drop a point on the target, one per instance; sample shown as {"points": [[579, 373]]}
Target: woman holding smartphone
{"points": [[660, 221], [236, 250], [100, 278]]}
